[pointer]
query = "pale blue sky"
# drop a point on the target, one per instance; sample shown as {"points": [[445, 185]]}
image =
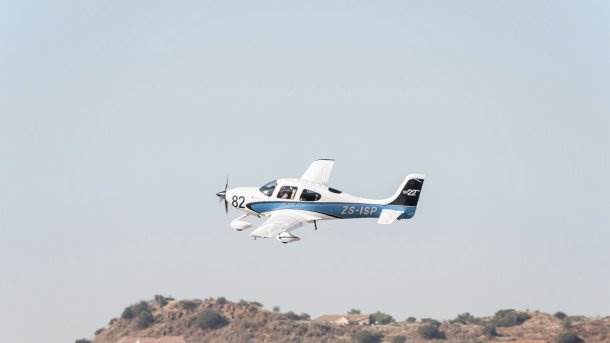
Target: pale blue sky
{"points": [[119, 122]]}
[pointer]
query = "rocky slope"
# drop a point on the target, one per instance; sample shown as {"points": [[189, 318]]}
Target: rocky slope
{"points": [[219, 320]]}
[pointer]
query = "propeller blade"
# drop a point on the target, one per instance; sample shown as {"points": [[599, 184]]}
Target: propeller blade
{"points": [[226, 207]]}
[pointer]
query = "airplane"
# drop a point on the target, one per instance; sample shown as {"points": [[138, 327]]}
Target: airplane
{"points": [[289, 203]]}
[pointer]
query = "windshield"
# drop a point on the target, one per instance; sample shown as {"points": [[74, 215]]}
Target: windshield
{"points": [[268, 188]]}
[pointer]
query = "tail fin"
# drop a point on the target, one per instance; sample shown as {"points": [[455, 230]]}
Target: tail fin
{"points": [[409, 191]]}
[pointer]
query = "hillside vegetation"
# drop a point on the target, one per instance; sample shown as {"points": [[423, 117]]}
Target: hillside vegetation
{"points": [[219, 320]]}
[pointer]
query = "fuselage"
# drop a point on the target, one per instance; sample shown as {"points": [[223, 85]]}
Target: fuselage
{"points": [[297, 194]]}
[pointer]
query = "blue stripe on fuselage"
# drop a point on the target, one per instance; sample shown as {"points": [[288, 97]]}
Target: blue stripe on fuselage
{"points": [[334, 209]]}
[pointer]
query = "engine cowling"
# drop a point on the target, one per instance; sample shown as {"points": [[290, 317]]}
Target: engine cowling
{"points": [[286, 237]]}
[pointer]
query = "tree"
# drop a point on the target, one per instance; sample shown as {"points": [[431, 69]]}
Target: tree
{"points": [[144, 320], [560, 315], [210, 319], [353, 311], [161, 300], [133, 311], [381, 318], [221, 300], [411, 320], [399, 339], [569, 337], [430, 330], [465, 318], [276, 309], [368, 337], [189, 305], [506, 318], [82, 340]]}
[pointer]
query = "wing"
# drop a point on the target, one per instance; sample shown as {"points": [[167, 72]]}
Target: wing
{"points": [[281, 223], [319, 171]]}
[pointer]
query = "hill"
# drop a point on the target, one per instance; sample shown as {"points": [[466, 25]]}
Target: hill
{"points": [[219, 320]]}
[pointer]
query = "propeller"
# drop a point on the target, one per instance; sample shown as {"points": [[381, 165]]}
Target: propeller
{"points": [[222, 195]]}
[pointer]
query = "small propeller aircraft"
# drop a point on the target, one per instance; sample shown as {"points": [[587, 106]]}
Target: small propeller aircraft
{"points": [[289, 203]]}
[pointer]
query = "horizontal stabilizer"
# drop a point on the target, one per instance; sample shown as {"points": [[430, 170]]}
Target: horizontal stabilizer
{"points": [[388, 216]]}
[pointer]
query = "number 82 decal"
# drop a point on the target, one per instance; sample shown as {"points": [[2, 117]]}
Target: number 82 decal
{"points": [[238, 201]]}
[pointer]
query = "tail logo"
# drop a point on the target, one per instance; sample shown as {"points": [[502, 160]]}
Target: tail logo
{"points": [[410, 192]]}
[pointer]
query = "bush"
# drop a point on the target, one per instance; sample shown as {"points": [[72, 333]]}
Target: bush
{"points": [[134, 311], [430, 331], [99, 331], [506, 318], [465, 318], [489, 330], [399, 339], [221, 300], [188, 305], [368, 337], [381, 318], [82, 340], [411, 320], [560, 315], [353, 311], [145, 319], [276, 309], [256, 303], [569, 337], [161, 300], [431, 321], [293, 316], [210, 319]]}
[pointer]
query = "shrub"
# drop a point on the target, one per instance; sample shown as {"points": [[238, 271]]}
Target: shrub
{"points": [[569, 337], [210, 319], [353, 311], [188, 305], [161, 300], [256, 303], [430, 331], [134, 311], [381, 318], [221, 300], [368, 337], [560, 315], [431, 321], [489, 330], [243, 302], [99, 331], [399, 339], [145, 319], [82, 340], [411, 320], [465, 318], [293, 316], [505, 318], [276, 309]]}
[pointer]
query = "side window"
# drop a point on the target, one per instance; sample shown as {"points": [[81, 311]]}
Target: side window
{"points": [[287, 192], [268, 188], [308, 195]]}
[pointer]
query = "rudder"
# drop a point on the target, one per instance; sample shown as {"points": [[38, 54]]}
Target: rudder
{"points": [[410, 191]]}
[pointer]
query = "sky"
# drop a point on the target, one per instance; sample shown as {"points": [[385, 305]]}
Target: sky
{"points": [[119, 122]]}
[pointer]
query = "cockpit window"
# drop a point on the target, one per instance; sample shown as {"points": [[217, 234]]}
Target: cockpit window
{"points": [[334, 190], [287, 192], [268, 188], [308, 195]]}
